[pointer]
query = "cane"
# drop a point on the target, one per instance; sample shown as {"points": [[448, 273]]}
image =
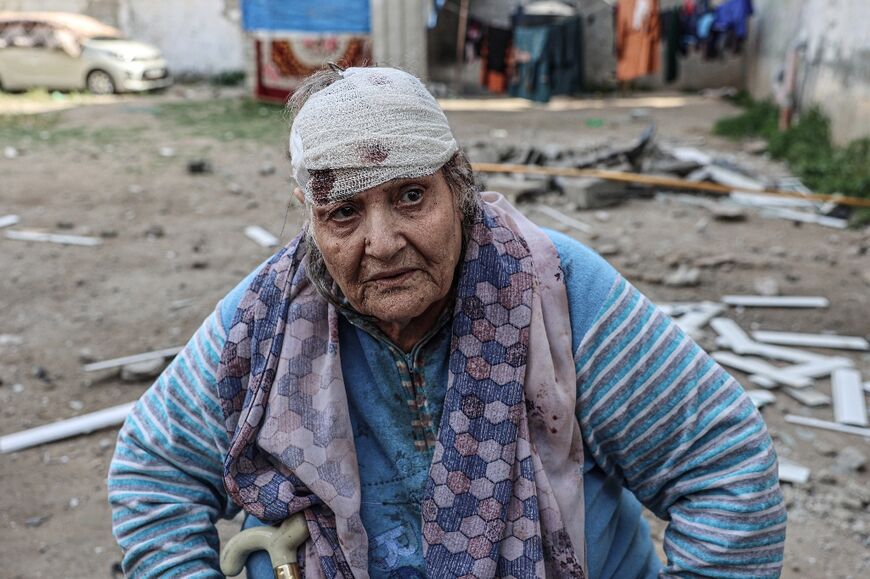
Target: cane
{"points": [[280, 542]]}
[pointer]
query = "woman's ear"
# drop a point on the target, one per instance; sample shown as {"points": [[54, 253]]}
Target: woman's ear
{"points": [[297, 192]]}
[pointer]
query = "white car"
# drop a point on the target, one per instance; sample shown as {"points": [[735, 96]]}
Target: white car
{"points": [[57, 50]]}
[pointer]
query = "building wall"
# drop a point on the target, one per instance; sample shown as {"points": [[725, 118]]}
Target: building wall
{"points": [[834, 70], [199, 37]]}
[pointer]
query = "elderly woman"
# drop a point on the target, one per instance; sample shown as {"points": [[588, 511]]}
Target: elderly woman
{"points": [[441, 387]]}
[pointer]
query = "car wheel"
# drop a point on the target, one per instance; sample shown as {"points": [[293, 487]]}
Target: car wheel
{"points": [[100, 82]]}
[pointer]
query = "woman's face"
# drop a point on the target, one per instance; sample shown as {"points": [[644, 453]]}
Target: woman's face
{"points": [[393, 249]]}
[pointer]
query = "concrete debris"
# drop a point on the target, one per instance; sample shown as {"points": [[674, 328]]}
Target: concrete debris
{"points": [[260, 236], [727, 212], [126, 360], [11, 340], [21, 235], [812, 340], [65, 428], [763, 382], [792, 472], [166, 152], [776, 302], [145, 370], [591, 193], [761, 398], [731, 336], [770, 201], [809, 397], [8, 220], [819, 368], [564, 219], [762, 368], [517, 189], [608, 250], [10, 152], [802, 217], [733, 179], [827, 425], [684, 276], [694, 320], [849, 405], [766, 286]]}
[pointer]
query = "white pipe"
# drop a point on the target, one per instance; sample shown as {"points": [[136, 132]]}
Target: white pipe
{"points": [[65, 428]]}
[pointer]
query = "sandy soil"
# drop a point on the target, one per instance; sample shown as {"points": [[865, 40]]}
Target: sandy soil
{"points": [[173, 245]]}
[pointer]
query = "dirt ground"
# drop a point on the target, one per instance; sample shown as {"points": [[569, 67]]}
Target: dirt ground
{"points": [[173, 245]]}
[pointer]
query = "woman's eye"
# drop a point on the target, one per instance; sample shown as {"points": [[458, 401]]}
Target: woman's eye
{"points": [[343, 213], [411, 196]]}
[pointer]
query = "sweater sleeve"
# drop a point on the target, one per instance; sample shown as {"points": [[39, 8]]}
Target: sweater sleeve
{"points": [[660, 416], [165, 480]]}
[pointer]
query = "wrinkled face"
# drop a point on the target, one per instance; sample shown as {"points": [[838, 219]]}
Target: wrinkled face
{"points": [[393, 249]]}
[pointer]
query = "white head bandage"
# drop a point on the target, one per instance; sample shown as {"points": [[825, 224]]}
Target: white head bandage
{"points": [[372, 126]]}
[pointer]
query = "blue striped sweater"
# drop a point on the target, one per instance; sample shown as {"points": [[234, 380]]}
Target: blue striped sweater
{"points": [[662, 424]]}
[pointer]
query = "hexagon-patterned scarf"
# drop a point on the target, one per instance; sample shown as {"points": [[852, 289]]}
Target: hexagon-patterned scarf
{"points": [[505, 491]]}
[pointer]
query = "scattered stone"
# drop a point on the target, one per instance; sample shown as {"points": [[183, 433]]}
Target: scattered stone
{"points": [[866, 276], [76, 405], [267, 169], [105, 444], [167, 152], [824, 448], [590, 193], [109, 233], [10, 152], [142, 370], [199, 265], [727, 212], [199, 167], [235, 189], [849, 460], [685, 276], [602, 216], [18, 388], [65, 225], [766, 286], [41, 373], [74, 502], [135, 189], [155, 232], [755, 147], [778, 251], [608, 249], [34, 522]]}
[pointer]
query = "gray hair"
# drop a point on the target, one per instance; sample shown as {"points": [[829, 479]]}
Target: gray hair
{"points": [[457, 173]]}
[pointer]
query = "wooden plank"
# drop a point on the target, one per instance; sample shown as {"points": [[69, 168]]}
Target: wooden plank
{"points": [[826, 425], [260, 236], [21, 235], [762, 368], [808, 396], [748, 301], [566, 220], [849, 405], [9, 220], [144, 357], [812, 340]]}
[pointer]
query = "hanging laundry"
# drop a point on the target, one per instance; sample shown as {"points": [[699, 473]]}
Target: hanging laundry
{"points": [[495, 54], [637, 38]]}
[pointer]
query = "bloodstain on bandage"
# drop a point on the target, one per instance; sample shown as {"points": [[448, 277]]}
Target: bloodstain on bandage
{"points": [[373, 153], [321, 184]]}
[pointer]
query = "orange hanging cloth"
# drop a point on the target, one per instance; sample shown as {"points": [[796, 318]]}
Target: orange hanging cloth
{"points": [[637, 38]]}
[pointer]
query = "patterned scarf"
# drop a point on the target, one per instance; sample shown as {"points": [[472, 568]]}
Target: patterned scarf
{"points": [[504, 496]]}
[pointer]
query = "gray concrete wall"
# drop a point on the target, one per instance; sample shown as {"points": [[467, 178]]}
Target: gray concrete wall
{"points": [[834, 70]]}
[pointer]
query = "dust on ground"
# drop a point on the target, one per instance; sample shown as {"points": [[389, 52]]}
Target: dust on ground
{"points": [[173, 245]]}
